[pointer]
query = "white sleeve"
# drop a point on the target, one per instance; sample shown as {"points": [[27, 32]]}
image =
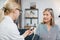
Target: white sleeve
{"points": [[6, 36], [14, 34], [9, 31]]}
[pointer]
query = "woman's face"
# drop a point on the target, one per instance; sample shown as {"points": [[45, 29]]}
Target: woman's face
{"points": [[46, 16], [16, 14]]}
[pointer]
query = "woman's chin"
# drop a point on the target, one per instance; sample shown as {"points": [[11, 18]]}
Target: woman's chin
{"points": [[45, 21]]}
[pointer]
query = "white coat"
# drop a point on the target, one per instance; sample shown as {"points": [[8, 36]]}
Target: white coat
{"points": [[9, 31]]}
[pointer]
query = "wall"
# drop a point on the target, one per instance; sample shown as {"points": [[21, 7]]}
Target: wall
{"points": [[41, 5], [57, 11], [2, 3]]}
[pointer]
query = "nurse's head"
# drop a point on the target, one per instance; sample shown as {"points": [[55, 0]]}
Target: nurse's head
{"points": [[12, 9], [48, 16]]}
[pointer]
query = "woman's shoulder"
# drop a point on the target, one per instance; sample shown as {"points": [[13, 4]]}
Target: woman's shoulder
{"points": [[57, 27], [41, 25]]}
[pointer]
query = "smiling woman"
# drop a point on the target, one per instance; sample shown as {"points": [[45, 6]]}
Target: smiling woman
{"points": [[47, 30]]}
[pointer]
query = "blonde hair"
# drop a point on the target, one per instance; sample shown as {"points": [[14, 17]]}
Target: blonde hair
{"points": [[50, 10], [1, 15], [9, 6]]}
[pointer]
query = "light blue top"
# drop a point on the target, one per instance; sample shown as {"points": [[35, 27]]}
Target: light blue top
{"points": [[44, 34]]}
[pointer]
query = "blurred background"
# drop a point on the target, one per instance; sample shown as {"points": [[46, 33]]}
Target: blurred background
{"points": [[31, 12]]}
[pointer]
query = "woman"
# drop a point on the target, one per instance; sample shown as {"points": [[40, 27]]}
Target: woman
{"points": [[47, 30], [8, 29]]}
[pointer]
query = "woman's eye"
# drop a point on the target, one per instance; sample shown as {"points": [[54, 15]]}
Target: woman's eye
{"points": [[43, 14], [47, 14]]}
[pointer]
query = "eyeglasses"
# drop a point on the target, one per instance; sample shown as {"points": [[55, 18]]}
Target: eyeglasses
{"points": [[19, 10]]}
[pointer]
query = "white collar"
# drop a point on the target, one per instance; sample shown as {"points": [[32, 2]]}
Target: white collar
{"points": [[8, 17]]}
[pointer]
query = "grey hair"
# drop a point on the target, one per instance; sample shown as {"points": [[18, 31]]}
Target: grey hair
{"points": [[50, 10]]}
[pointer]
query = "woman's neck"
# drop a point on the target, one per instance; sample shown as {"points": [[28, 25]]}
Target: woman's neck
{"points": [[48, 23], [48, 26]]}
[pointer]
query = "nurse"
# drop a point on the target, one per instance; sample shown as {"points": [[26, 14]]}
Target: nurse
{"points": [[8, 29]]}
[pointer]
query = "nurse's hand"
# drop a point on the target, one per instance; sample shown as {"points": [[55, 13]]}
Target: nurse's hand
{"points": [[26, 33]]}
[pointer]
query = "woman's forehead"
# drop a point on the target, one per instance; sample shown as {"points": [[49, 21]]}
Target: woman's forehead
{"points": [[46, 12]]}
